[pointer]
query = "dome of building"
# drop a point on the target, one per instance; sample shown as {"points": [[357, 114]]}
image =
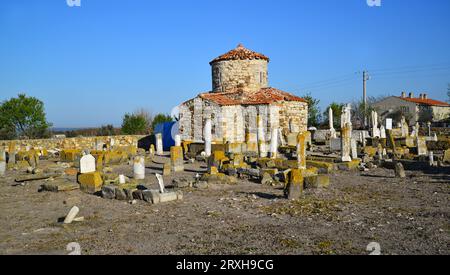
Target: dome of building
{"points": [[240, 53]]}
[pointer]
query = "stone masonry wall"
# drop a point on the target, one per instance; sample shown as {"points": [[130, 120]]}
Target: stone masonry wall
{"points": [[250, 75], [69, 143], [233, 122], [293, 116]]}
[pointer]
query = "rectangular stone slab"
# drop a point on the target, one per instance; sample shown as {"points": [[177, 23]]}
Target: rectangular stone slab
{"points": [[60, 186]]}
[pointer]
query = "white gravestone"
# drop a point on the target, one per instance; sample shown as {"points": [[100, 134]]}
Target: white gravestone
{"points": [[159, 145], [208, 137], [87, 164], [388, 123], [177, 140], [261, 138], [162, 189], [139, 168], [274, 143]]}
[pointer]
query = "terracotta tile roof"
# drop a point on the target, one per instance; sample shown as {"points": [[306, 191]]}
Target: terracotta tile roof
{"points": [[429, 102], [239, 97], [240, 53]]}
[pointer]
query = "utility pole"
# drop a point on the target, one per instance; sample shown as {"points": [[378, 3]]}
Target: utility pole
{"points": [[365, 78]]}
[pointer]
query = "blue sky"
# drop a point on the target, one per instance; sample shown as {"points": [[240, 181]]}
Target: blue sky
{"points": [[93, 63]]}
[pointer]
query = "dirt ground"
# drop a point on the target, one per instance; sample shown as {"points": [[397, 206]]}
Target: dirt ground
{"points": [[405, 216]]}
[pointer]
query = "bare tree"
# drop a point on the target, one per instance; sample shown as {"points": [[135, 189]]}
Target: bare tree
{"points": [[146, 114]]}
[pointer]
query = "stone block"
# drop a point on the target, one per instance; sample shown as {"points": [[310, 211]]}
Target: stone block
{"points": [[335, 144], [70, 155], [167, 169], [90, 182], [60, 186], [313, 171], [447, 156], [271, 171], [399, 170], [71, 171], [109, 192], [177, 158], [2, 168], [322, 166], [319, 181], [371, 151], [294, 188], [151, 196], [168, 196], [138, 195], [120, 194], [349, 166], [267, 179]]}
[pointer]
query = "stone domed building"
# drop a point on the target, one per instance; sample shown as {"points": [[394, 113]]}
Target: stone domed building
{"points": [[241, 92]]}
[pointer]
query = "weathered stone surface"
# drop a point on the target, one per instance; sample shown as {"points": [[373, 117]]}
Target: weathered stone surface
{"points": [[313, 171], [120, 194], [182, 182], [152, 196], [219, 178], [301, 150], [109, 192], [71, 171], [139, 168], [168, 196], [71, 215], [346, 140], [371, 151], [319, 181], [323, 167], [267, 179], [2, 168], [167, 169], [138, 195], [399, 170], [294, 188], [447, 156], [335, 144], [90, 182], [421, 146], [60, 186], [201, 185], [349, 166], [177, 158]]}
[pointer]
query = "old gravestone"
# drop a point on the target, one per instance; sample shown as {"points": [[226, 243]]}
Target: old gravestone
{"points": [[87, 164], [2, 162], [421, 146], [399, 170]]}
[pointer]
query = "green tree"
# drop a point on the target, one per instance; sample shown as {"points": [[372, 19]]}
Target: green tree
{"points": [[337, 110], [314, 116], [23, 117], [134, 124], [161, 118]]}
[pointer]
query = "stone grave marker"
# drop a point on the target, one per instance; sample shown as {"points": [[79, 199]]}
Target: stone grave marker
{"points": [[87, 164]]}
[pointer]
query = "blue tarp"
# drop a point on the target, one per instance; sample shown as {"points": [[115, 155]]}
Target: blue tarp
{"points": [[166, 130]]}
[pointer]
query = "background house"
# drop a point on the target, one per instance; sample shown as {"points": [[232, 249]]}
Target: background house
{"points": [[415, 109]]}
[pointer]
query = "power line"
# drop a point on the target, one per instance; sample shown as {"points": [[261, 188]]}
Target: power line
{"points": [[413, 71], [332, 80], [412, 67], [330, 83]]}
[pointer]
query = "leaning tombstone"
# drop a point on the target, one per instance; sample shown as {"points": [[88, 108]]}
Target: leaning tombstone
{"points": [[160, 183]]}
